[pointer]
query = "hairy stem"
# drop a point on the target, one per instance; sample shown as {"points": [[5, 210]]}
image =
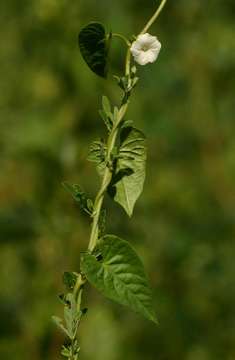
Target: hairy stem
{"points": [[154, 17], [106, 178], [111, 141], [108, 172]]}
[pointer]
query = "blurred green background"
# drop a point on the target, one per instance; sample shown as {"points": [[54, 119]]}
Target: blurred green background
{"points": [[184, 223]]}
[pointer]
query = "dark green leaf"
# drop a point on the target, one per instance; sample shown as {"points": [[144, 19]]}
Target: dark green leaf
{"points": [[127, 123], [79, 195], [117, 272], [127, 185], [69, 279], [97, 154], [97, 151], [94, 47]]}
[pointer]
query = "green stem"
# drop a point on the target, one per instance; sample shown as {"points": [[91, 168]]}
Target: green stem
{"points": [[154, 17], [107, 177], [112, 138], [78, 288], [127, 42], [77, 291]]}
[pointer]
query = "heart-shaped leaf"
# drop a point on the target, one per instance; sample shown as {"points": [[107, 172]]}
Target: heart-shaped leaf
{"points": [[94, 47], [128, 179], [117, 272]]}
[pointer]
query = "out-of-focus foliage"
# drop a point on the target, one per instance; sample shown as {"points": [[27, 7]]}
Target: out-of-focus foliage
{"points": [[183, 225]]}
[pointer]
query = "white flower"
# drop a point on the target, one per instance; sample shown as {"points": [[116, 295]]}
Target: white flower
{"points": [[145, 49]]}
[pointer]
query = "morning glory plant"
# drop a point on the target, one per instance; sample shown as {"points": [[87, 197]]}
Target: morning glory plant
{"points": [[110, 263]]}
